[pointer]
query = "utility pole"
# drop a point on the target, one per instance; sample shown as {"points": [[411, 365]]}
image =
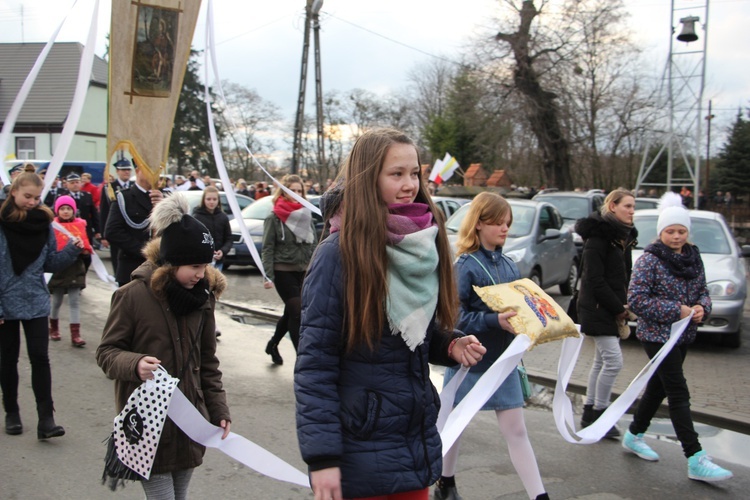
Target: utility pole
{"points": [[312, 12], [709, 117]]}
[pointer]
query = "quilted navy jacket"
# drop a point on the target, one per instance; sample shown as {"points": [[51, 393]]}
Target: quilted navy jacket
{"points": [[26, 296], [372, 414]]}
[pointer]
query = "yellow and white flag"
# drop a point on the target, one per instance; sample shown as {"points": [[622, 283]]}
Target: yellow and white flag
{"points": [[148, 53], [443, 169]]}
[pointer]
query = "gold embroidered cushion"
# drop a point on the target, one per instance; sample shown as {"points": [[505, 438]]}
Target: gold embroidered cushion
{"points": [[538, 315]]}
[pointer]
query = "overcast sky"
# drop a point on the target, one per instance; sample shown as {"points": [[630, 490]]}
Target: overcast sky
{"points": [[373, 45]]}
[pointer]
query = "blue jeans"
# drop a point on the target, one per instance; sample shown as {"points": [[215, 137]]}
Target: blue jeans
{"points": [[668, 381]]}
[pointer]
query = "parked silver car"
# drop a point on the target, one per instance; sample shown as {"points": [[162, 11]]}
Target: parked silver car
{"points": [[724, 262], [449, 205], [538, 243]]}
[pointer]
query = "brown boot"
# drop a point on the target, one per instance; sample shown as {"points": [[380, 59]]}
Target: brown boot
{"points": [[54, 329], [75, 335]]}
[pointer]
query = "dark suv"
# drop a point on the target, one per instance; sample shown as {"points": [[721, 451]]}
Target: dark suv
{"points": [[573, 205]]}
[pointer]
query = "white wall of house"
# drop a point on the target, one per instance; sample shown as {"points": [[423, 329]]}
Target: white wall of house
{"points": [[89, 142]]}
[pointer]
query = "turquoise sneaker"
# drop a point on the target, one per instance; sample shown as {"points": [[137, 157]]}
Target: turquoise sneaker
{"points": [[701, 468], [635, 443]]}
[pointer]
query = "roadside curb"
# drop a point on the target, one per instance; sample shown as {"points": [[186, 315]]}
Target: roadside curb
{"points": [[703, 415]]}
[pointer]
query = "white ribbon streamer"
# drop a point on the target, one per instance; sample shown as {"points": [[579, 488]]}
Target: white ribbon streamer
{"points": [[562, 408], [484, 388], [197, 428], [231, 198], [96, 262], [76, 107], [448, 396], [23, 93]]}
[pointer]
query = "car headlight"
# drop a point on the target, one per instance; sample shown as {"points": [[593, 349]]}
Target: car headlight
{"points": [[722, 288], [577, 239], [257, 238], [516, 255]]}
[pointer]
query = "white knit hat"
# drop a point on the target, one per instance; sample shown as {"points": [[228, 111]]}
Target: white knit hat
{"points": [[671, 212]]}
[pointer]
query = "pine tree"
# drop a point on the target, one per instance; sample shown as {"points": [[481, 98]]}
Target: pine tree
{"points": [[734, 159], [190, 145]]}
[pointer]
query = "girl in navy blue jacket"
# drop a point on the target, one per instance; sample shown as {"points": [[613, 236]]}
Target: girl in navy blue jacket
{"points": [[481, 263], [28, 249], [378, 305]]}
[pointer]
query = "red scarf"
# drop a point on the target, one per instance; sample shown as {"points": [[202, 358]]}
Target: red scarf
{"points": [[284, 207]]}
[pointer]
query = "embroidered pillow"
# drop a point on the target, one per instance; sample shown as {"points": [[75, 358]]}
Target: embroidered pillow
{"points": [[539, 316]]}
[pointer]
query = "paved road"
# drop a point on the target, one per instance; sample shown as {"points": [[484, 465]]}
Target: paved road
{"points": [[718, 376], [262, 404]]}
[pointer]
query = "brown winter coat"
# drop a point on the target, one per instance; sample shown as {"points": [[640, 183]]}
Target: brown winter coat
{"points": [[140, 324]]}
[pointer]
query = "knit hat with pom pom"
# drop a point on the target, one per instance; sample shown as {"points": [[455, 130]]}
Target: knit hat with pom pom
{"points": [[184, 239], [671, 212]]}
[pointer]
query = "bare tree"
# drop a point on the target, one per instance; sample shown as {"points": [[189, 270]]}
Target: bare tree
{"points": [[542, 112], [251, 123]]}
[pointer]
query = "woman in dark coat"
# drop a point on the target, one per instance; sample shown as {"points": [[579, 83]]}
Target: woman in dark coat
{"points": [[608, 237]]}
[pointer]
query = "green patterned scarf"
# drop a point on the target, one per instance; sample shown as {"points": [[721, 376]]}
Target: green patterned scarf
{"points": [[412, 271]]}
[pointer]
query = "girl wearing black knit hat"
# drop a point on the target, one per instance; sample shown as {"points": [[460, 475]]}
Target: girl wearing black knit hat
{"points": [[165, 316]]}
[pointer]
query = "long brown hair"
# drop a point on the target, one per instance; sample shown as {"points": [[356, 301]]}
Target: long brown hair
{"points": [[12, 212], [363, 242], [490, 208]]}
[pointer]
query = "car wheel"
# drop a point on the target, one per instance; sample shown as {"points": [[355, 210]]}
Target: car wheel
{"points": [[225, 267], [536, 278], [569, 285], [732, 339]]}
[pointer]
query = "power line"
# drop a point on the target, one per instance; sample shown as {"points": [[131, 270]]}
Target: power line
{"points": [[397, 42]]}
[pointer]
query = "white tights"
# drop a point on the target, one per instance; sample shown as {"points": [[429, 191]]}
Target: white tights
{"points": [[513, 429]]}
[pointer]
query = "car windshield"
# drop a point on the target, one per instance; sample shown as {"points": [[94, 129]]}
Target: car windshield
{"points": [[571, 208], [523, 220], [708, 235]]}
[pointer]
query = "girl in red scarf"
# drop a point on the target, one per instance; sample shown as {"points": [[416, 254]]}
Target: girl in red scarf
{"points": [[288, 244], [72, 279]]}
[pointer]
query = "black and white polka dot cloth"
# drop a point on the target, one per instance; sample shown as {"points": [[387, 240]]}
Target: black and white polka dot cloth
{"points": [[138, 426]]}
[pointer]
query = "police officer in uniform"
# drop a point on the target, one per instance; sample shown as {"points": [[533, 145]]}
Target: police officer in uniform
{"points": [[109, 196], [127, 223]]}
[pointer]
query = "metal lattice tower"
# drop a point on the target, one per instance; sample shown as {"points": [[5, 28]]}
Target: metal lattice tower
{"points": [[678, 132]]}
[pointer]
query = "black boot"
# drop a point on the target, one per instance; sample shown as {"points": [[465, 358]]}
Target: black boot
{"points": [[446, 490], [47, 427], [13, 425], [588, 416], [543, 496], [273, 350], [614, 432]]}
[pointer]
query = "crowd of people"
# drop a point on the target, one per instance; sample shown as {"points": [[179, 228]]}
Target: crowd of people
{"points": [[368, 307]]}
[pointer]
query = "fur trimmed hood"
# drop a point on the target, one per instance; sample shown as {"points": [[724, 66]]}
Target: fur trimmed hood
{"points": [[157, 276]]}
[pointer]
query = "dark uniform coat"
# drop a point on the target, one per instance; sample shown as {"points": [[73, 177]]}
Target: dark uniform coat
{"points": [[104, 205], [87, 211], [124, 234]]}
